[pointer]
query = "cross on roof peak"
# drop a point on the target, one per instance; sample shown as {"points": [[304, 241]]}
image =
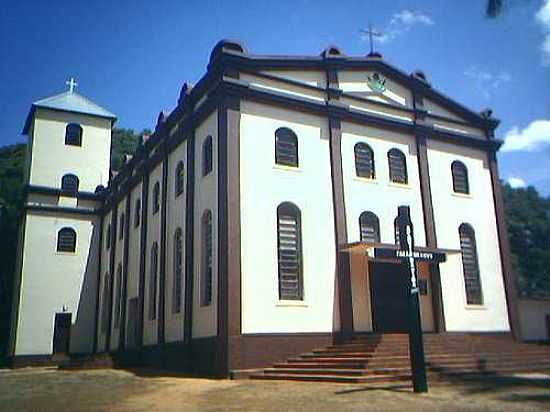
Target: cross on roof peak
{"points": [[372, 33], [72, 84]]}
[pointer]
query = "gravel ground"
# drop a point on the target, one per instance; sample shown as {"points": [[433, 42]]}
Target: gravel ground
{"points": [[49, 389]]}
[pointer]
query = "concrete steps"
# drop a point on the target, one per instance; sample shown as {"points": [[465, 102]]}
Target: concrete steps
{"points": [[385, 358]]}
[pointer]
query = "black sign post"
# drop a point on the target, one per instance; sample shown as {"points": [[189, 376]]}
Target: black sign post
{"points": [[407, 253]]}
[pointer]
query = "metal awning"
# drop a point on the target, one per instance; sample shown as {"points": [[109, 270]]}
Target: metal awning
{"points": [[388, 252]]}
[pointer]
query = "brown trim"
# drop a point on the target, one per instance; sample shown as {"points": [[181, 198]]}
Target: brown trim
{"points": [[98, 292], [61, 209], [343, 270], [45, 190], [162, 278], [429, 229], [189, 239], [229, 242], [507, 268], [113, 242], [124, 298], [143, 255]]}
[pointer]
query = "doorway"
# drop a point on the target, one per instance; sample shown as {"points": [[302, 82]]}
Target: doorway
{"points": [[62, 333], [389, 288]]}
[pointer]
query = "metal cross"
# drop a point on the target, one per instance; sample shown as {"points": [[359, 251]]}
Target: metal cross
{"points": [[72, 84], [372, 33]]}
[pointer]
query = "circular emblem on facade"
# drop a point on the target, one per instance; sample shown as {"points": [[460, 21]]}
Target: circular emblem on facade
{"points": [[377, 83]]}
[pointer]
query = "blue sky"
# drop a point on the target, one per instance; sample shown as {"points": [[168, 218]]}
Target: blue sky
{"points": [[133, 56]]}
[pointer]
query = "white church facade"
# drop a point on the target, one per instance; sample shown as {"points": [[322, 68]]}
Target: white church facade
{"points": [[243, 230]]}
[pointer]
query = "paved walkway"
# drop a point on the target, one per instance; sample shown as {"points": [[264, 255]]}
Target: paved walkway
{"points": [[116, 390]]}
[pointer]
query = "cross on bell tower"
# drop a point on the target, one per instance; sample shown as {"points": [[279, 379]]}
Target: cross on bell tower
{"points": [[72, 84], [372, 33]]}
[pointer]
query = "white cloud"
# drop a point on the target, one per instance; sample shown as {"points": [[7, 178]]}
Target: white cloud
{"points": [[535, 135], [401, 23], [516, 182], [543, 18], [486, 81]]}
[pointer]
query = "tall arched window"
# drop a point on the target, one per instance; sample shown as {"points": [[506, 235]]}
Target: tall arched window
{"points": [[460, 177], [289, 248], [207, 259], [137, 212], [121, 226], [397, 166], [153, 280], [207, 156], [69, 183], [73, 134], [156, 197], [179, 179], [178, 271], [66, 240], [286, 147], [396, 230], [369, 227], [108, 237], [118, 296], [106, 304], [470, 265], [364, 161]]}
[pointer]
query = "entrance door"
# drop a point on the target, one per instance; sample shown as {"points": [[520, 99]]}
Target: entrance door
{"points": [[62, 333], [132, 334], [389, 297]]}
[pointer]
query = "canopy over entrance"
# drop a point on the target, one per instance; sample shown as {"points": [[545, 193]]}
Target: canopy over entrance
{"points": [[388, 252]]}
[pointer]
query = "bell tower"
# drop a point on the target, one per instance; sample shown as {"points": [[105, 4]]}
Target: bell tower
{"points": [[68, 156]]}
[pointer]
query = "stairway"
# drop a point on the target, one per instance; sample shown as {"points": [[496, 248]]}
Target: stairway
{"points": [[384, 358]]}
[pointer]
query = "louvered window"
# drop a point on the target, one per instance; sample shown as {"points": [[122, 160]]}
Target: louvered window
{"points": [[121, 227], [73, 134], [364, 161], [137, 213], [286, 147], [207, 156], [207, 259], [66, 240], [178, 271], [289, 252], [470, 265], [69, 183], [179, 182], [153, 280], [106, 304], [398, 166], [156, 198], [460, 177], [118, 296], [369, 227]]}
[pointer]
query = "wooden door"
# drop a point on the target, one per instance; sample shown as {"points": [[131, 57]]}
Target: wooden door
{"points": [[132, 331], [62, 333], [389, 297]]}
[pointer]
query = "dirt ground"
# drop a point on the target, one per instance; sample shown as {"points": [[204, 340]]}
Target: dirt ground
{"points": [[48, 389]]}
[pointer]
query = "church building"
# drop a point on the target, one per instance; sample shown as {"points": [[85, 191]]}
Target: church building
{"points": [[248, 227]]}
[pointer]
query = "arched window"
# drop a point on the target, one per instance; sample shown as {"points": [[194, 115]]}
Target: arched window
{"points": [[206, 261], [289, 245], [179, 179], [156, 198], [460, 177], [286, 147], [106, 304], [69, 183], [121, 227], [137, 212], [108, 237], [178, 271], [153, 280], [207, 156], [66, 240], [118, 296], [364, 161], [369, 227], [73, 134], [396, 230], [397, 166], [470, 265]]}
